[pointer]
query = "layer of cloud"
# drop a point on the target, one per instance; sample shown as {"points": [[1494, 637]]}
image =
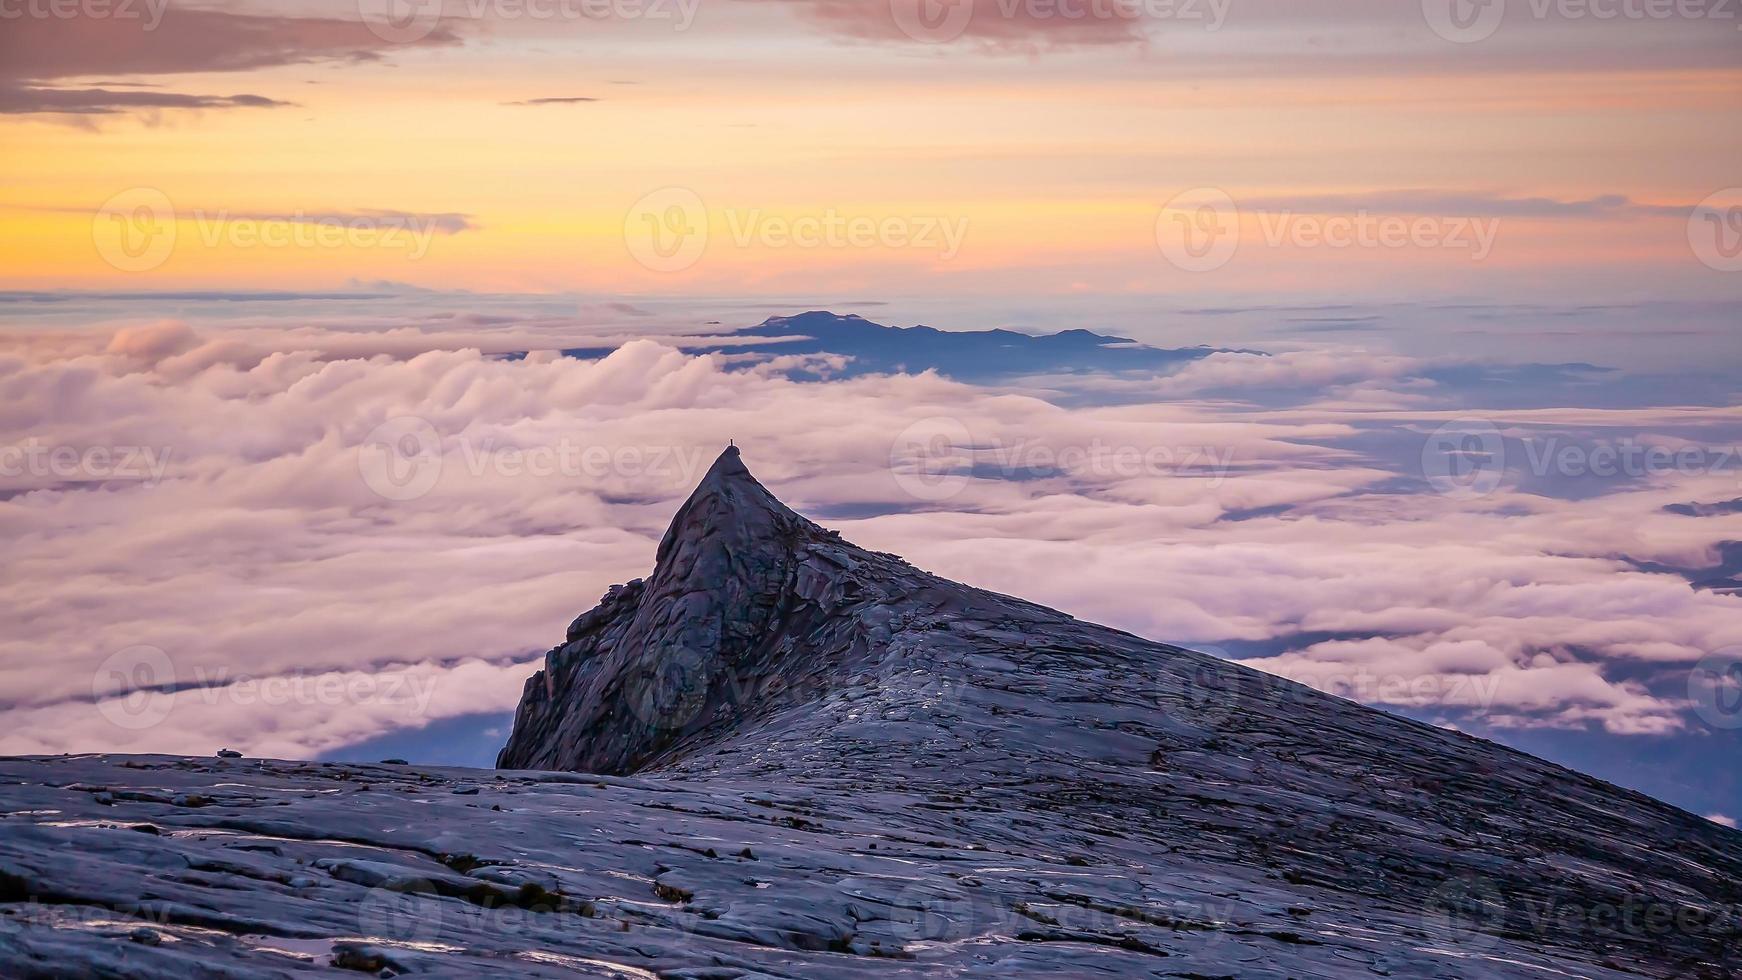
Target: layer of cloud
{"points": [[240, 503]]}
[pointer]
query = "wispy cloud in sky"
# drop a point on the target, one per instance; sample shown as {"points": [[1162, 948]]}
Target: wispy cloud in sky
{"points": [[556, 100], [164, 39]]}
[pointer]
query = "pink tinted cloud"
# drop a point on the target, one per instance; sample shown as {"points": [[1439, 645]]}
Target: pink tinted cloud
{"points": [[1001, 25], [262, 548], [186, 40], [1279, 39], [168, 39]]}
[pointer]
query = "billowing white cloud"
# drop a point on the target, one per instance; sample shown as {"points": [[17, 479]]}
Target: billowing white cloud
{"points": [[278, 526]]}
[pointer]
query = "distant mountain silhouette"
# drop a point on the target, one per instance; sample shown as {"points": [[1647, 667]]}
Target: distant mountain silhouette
{"points": [[968, 355]]}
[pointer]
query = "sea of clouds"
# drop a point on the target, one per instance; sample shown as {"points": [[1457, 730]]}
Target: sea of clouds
{"points": [[287, 540]]}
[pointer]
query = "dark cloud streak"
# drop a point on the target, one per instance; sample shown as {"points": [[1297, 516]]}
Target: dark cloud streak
{"points": [[35, 52], [555, 100], [98, 101], [1436, 202]]}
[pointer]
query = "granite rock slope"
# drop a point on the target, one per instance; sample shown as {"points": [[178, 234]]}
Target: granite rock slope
{"points": [[765, 647], [782, 755]]}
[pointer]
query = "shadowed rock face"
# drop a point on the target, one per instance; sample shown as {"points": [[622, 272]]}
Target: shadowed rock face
{"points": [[692, 648], [752, 612]]}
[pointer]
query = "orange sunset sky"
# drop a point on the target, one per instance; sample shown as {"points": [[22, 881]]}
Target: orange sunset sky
{"points": [[514, 147]]}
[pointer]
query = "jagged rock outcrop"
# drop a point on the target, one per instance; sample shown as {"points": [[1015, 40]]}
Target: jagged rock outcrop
{"points": [[764, 646], [741, 600], [844, 767]]}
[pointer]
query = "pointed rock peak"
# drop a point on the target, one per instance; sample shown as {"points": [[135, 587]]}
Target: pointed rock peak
{"points": [[730, 478], [730, 463], [670, 655], [727, 502]]}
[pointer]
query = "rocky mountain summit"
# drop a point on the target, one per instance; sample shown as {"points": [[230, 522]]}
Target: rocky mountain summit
{"points": [[781, 755]]}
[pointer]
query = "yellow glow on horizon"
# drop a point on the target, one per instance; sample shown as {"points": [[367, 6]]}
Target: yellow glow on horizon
{"points": [[1055, 172]]}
